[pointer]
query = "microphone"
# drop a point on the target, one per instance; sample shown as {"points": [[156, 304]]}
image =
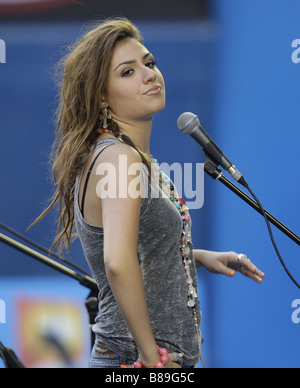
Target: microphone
{"points": [[189, 124]]}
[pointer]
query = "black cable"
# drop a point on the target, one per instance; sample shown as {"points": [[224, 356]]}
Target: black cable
{"points": [[272, 237], [43, 249]]}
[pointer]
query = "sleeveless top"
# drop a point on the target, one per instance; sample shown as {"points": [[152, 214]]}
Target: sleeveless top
{"points": [[165, 281]]}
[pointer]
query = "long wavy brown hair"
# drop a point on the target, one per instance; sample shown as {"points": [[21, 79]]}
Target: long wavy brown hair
{"points": [[83, 75]]}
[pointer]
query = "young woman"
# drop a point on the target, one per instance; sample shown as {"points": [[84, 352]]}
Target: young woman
{"points": [[134, 230]]}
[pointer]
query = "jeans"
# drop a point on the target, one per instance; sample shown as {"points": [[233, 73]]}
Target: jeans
{"points": [[102, 357]]}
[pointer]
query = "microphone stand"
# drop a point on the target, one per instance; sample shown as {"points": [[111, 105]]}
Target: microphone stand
{"points": [[211, 168], [10, 359], [91, 302]]}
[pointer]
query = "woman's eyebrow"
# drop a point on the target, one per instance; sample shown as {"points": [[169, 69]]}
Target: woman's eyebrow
{"points": [[132, 61]]}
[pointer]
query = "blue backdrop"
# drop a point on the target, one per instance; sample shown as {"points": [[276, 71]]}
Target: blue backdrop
{"points": [[257, 121], [236, 73]]}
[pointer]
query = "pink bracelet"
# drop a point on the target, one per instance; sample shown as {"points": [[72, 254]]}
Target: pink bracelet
{"points": [[163, 359]]}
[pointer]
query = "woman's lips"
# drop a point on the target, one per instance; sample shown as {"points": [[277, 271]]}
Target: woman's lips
{"points": [[153, 91]]}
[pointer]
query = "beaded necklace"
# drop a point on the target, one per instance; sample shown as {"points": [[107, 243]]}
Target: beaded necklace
{"points": [[186, 245]]}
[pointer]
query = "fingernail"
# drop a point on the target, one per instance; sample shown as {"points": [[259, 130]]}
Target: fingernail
{"points": [[231, 273]]}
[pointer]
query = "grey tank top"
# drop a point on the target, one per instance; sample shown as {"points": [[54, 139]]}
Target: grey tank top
{"points": [[173, 322]]}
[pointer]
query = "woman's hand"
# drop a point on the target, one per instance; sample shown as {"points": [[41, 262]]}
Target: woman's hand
{"points": [[170, 364], [228, 263]]}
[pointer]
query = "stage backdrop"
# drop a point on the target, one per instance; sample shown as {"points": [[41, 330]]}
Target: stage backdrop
{"points": [[257, 118]]}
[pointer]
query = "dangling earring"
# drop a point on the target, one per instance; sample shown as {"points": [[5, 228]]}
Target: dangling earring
{"points": [[105, 116]]}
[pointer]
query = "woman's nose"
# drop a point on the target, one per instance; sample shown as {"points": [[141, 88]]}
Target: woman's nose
{"points": [[149, 75]]}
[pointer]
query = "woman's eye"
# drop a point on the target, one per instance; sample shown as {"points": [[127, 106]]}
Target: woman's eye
{"points": [[151, 64], [127, 73]]}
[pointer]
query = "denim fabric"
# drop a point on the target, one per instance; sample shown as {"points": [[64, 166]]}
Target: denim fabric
{"points": [[104, 358]]}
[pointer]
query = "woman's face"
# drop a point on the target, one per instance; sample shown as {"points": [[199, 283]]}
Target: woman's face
{"points": [[136, 88]]}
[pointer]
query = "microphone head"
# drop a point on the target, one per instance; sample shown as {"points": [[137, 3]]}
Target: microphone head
{"points": [[188, 122]]}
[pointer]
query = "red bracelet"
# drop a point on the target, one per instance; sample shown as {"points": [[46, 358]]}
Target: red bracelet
{"points": [[163, 360]]}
